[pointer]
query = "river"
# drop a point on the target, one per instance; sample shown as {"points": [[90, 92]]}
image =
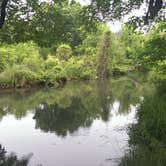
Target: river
{"points": [[81, 124]]}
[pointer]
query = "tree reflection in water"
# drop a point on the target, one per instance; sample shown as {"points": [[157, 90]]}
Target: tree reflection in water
{"points": [[76, 105], [79, 106], [63, 111], [104, 99], [52, 118], [80, 113], [12, 159]]}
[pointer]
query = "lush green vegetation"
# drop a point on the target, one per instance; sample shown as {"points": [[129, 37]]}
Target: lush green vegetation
{"points": [[148, 135], [62, 49], [57, 43], [27, 64]]}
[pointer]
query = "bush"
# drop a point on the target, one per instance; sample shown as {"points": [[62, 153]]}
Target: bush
{"points": [[5, 58], [44, 52], [51, 76], [158, 76], [50, 63], [33, 62], [151, 126], [16, 53], [17, 76], [64, 52], [79, 68], [73, 70], [51, 70]]}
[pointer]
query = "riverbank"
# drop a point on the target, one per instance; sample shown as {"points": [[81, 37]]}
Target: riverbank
{"points": [[62, 81], [23, 67]]}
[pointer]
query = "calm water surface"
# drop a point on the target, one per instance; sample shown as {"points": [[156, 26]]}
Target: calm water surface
{"points": [[82, 124]]}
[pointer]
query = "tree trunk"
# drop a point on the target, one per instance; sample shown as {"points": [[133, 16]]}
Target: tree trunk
{"points": [[3, 12]]}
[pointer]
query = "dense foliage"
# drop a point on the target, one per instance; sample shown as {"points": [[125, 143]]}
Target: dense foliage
{"points": [[101, 10], [148, 135], [26, 64]]}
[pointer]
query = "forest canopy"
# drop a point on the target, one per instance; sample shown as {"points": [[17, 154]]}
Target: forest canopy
{"points": [[101, 10]]}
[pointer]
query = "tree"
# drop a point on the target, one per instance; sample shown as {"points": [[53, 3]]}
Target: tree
{"points": [[3, 12], [57, 23], [108, 9], [117, 9], [47, 24], [17, 26]]}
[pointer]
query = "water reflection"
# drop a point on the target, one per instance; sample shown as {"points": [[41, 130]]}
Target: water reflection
{"points": [[95, 97], [78, 112], [12, 159], [80, 106], [104, 99], [52, 118]]}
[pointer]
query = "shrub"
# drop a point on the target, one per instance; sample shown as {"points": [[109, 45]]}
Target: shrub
{"points": [[73, 68], [64, 52], [17, 76], [158, 76], [33, 62], [44, 52], [79, 68], [16, 53], [25, 50], [50, 63], [51, 76], [151, 126], [51, 69], [5, 58]]}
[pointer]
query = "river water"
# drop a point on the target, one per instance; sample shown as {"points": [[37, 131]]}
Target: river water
{"points": [[81, 124]]}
